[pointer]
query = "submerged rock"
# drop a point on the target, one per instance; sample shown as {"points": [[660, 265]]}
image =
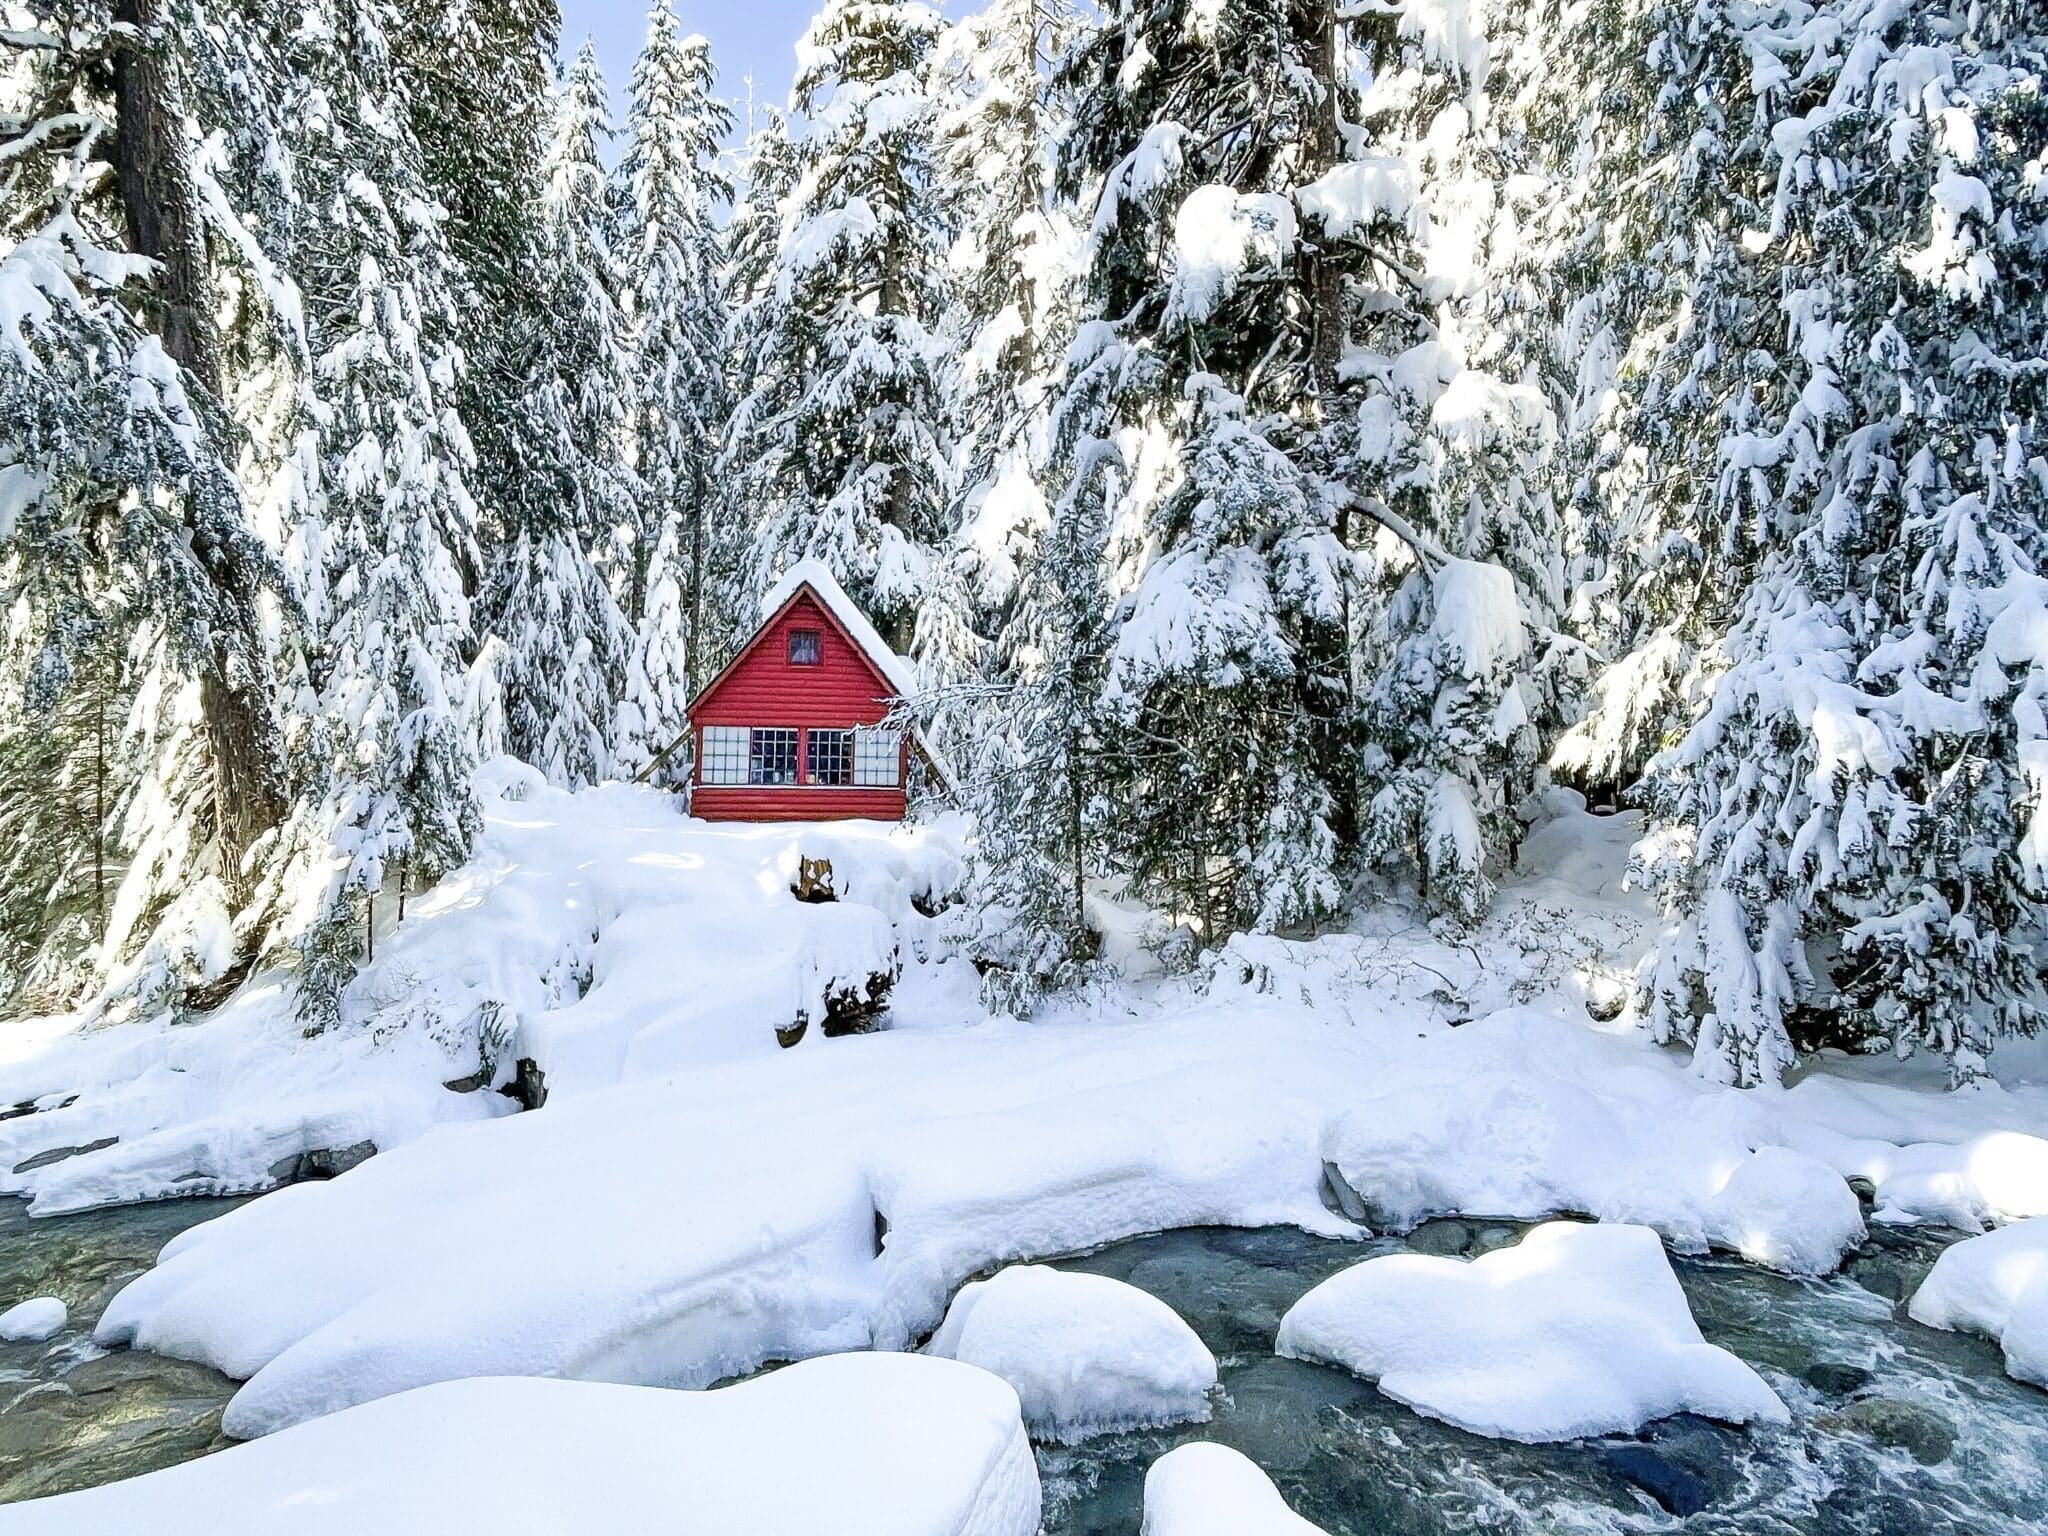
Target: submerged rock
{"points": [[1896, 1424], [1832, 1378], [1448, 1239], [1675, 1490]]}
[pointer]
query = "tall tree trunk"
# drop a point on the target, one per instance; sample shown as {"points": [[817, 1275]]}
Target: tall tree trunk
{"points": [[1322, 146], [155, 178], [893, 298], [693, 657]]}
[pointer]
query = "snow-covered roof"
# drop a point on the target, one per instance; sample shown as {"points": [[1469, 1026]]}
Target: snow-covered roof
{"points": [[816, 575]]}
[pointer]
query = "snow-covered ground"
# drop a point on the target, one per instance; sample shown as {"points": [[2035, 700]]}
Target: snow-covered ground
{"points": [[603, 934], [866, 1445], [694, 1200]]}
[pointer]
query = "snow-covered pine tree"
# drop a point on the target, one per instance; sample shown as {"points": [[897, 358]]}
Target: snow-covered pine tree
{"points": [[1009, 317], [1033, 781], [396, 526], [575, 538], [1634, 120], [1226, 696], [762, 368], [857, 478], [480, 87], [675, 260], [1850, 840], [123, 515]]}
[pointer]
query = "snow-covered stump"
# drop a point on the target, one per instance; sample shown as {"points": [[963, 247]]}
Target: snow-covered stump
{"points": [[1088, 1355], [1995, 1285], [1579, 1329], [859, 1445], [1206, 1489]]}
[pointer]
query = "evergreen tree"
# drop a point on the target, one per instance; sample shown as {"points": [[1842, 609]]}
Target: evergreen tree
{"points": [[575, 539], [1009, 318], [122, 511], [398, 524], [675, 271], [1848, 840], [858, 450]]}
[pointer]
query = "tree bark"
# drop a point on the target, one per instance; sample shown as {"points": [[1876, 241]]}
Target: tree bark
{"points": [[154, 175], [693, 658]]}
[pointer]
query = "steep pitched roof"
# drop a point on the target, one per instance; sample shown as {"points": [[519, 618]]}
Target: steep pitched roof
{"points": [[816, 575]]}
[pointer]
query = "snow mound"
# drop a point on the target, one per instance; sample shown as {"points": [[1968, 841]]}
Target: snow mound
{"points": [[1206, 1489], [1786, 1211], [1088, 1355], [1516, 1117], [34, 1320], [1996, 1285], [1577, 1330], [878, 1445], [1969, 1185]]}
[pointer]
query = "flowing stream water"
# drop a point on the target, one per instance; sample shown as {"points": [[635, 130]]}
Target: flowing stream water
{"points": [[1898, 1430], [71, 1413]]}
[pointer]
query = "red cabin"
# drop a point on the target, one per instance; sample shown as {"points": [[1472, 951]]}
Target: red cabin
{"points": [[792, 729]]}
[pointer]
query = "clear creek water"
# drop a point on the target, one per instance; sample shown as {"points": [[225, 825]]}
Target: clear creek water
{"points": [[1899, 1430]]}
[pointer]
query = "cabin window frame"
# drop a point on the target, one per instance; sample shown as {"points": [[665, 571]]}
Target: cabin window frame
{"points": [[837, 761], [779, 737], [722, 758], [877, 758], [805, 647]]}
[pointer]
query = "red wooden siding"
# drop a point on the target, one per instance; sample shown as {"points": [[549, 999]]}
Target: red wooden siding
{"points": [[761, 688]]}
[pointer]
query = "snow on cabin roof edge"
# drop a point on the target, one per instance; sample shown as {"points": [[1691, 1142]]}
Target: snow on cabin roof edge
{"points": [[816, 575]]}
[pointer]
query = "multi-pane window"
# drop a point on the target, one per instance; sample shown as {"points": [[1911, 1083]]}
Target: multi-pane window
{"points": [[803, 648], [725, 755], [828, 757], [877, 758], [771, 755]]}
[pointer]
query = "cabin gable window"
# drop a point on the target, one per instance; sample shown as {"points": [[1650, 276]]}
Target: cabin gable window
{"points": [[771, 755], [877, 759], [828, 757], [804, 648]]}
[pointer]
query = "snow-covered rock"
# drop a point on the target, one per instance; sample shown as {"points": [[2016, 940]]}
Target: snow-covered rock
{"points": [[1787, 1211], [1206, 1489], [1577, 1330], [1996, 1285], [32, 1321], [1969, 1185], [1088, 1355], [865, 1445]]}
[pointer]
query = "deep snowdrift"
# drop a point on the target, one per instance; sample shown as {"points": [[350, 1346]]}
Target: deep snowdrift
{"points": [[602, 933], [1088, 1355], [867, 1445], [1576, 1330]]}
